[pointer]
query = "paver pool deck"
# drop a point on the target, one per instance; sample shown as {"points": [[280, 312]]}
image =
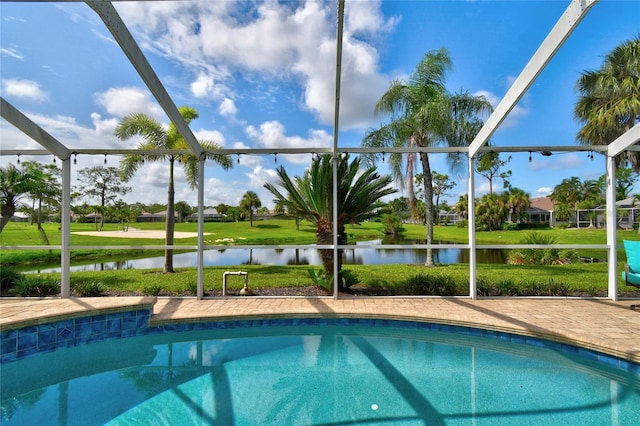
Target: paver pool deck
{"points": [[599, 324]]}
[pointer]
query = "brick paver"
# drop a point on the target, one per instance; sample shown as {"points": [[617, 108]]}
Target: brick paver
{"points": [[603, 325]]}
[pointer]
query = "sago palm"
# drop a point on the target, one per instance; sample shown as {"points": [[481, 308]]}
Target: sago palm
{"points": [[156, 136], [310, 197]]}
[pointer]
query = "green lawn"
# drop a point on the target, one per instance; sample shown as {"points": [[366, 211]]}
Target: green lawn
{"points": [[586, 278]]}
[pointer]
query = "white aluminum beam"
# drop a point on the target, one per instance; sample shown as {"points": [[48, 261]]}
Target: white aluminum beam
{"points": [[127, 43], [612, 222], [200, 252], [625, 141], [336, 129], [471, 223], [31, 129], [65, 229], [554, 40]]}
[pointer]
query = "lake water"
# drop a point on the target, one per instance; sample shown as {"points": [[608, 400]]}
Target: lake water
{"points": [[359, 255]]}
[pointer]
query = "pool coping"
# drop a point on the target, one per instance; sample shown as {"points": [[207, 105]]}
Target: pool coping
{"points": [[612, 328]]}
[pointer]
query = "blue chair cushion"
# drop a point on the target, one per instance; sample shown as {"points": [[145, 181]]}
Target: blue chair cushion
{"points": [[632, 249]]}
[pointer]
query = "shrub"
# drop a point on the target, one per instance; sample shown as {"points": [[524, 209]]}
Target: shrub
{"points": [[510, 226], [507, 288], [392, 224], [424, 284], [558, 289], [535, 288], [89, 288], [8, 278], [192, 287], [318, 278], [350, 279], [462, 223], [36, 285], [542, 256], [568, 256], [483, 287], [152, 290]]}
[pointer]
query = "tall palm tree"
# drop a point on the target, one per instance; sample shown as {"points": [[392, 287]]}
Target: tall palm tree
{"points": [[156, 136], [310, 197], [249, 202], [609, 99], [424, 114]]}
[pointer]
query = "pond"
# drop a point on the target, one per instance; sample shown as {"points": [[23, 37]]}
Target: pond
{"points": [[358, 255]]}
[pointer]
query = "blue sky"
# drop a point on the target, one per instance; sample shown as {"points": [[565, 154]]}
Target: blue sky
{"points": [[261, 74]]}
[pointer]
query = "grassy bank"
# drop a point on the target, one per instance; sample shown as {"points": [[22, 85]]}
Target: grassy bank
{"points": [[493, 280], [577, 278]]}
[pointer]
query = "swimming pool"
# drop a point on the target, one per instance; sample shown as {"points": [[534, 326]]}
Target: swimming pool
{"points": [[320, 371]]}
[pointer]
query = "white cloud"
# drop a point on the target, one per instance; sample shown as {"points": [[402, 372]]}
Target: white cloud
{"points": [[366, 18], [228, 108], [271, 134], [104, 127], [121, 101], [11, 52], [203, 86], [544, 191], [278, 41], [250, 161], [483, 189], [24, 89], [211, 136], [259, 176]]}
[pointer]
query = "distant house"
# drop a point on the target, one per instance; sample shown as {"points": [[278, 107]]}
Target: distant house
{"points": [[628, 211], [154, 217], [210, 214], [93, 217], [20, 217], [446, 217], [541, 210]]}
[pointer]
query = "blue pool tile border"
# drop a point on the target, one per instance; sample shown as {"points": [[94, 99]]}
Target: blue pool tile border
{"points": [[21, 343]]}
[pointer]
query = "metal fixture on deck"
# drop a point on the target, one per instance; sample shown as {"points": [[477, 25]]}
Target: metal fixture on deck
{"points": [[245, 290]]}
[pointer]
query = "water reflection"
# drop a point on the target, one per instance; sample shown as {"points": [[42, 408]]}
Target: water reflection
{"points": [[358, 255]]}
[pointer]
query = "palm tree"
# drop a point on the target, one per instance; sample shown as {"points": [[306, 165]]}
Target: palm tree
{"points": [[14, 184], [492, 211], [609, 99], [462, 206], [519, 202], [310, 197], [423, 114], [249, 202], [156, 136], [45, 189]]}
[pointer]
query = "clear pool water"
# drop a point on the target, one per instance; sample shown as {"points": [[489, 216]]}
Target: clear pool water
{"points": [[315, 375]]}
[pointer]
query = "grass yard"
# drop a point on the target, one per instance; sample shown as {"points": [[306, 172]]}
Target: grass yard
{"points": [[577, 278]]}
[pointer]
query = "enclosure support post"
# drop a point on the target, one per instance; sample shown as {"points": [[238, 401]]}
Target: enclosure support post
{"points": [[471, 212], [200, 266], [336, 123], [65, 223], [612, 221]]}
